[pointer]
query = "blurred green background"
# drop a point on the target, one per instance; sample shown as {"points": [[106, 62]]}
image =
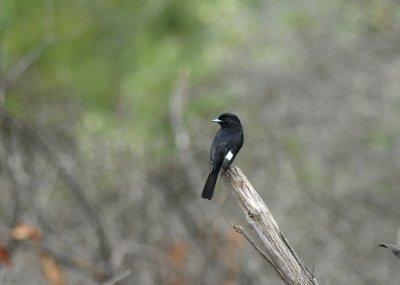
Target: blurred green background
{"points": [[95, 97]]}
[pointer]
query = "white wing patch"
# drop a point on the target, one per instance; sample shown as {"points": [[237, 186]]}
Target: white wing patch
{"points": [[229, 156]]}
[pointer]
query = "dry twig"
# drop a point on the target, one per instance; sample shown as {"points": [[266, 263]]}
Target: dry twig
{"points": [[395, 249], [274, 245]]}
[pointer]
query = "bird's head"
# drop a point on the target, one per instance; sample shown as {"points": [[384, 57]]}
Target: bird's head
{"points": [[228, 120]]}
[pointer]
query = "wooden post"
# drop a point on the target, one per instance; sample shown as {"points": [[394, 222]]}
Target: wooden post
{"points": [[274, 246]]}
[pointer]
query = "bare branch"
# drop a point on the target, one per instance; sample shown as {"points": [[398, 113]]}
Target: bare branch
{"points": [[241, 230], [395, 249], [76, 188], [118, 278], [280, 254], [26, 61], [76, 263], [182, 140]]}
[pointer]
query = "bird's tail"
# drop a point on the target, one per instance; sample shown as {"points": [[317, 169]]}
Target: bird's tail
{"points": [[208, 189]]}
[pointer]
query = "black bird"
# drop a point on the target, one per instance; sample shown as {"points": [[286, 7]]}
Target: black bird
{"points": [[226, 145]]}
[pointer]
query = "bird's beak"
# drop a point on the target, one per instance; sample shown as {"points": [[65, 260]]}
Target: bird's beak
{"points": [[217, 121]]}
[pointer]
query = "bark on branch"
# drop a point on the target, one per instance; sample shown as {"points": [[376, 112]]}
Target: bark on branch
{"points": [[274, 245]]}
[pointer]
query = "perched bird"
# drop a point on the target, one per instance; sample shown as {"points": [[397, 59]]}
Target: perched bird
{"points": [[226, 145]]}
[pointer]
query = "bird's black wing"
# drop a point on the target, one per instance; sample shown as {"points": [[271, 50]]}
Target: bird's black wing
{"points": [[216, 158], [217, 151], [234, 144]]}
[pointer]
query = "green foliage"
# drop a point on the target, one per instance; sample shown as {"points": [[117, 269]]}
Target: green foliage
{"points": [[118, 60]]}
